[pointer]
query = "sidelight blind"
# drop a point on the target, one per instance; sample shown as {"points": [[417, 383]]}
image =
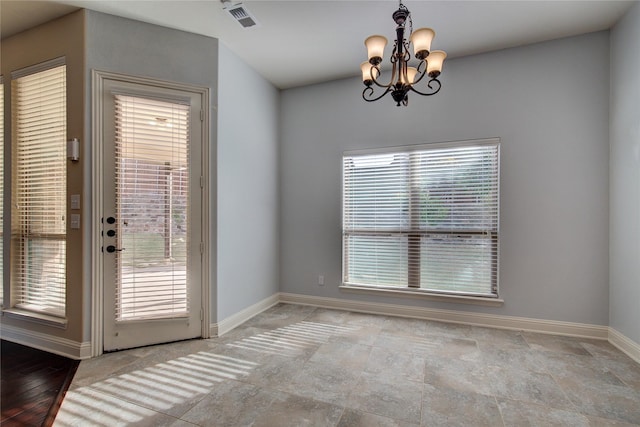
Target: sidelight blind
{"points": [[152, 185], [39, 118], [424, 217]]}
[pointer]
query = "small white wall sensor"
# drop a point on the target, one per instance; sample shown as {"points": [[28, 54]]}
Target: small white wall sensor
{"points": [[73, 149]]}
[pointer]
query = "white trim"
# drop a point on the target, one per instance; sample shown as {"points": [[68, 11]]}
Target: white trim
{"points": [[37, 317], [425, 146], [625, 344], [237, 319], [97, 303], [36, 68], [451, 316], [422, 294], [205, 212], [46, 342]]}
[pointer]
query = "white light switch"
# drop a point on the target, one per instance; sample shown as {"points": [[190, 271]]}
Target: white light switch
{"points": [[75, 201], [75, 221]]}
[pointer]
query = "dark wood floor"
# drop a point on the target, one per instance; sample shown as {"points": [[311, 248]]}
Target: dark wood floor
{"points": [[33, 384]]}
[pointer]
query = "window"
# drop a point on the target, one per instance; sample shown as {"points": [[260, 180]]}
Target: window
{"points": [[39, 176], [151, 183], [423, 218]]}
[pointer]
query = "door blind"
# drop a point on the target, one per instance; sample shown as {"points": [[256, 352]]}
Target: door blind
{"points": [[152, 194], [423, 218], [39, 116]]}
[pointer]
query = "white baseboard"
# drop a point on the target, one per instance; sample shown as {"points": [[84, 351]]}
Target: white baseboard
{"points": [[62, 346], [625, 344], [82, 350], [451, 316], [224, 326]]}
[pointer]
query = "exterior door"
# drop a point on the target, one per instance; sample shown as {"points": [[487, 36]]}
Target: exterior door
{"points": [[151, 220]]}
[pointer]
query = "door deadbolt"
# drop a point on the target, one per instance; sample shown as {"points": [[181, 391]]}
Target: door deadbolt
{"points": [[111, 233], [111, 220]]}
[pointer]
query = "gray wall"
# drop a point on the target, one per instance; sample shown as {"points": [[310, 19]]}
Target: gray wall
{"points": [[549, 105], [625, 176], [247, 186], [121, 45]]}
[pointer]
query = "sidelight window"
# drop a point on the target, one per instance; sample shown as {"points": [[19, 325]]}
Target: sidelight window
{"points": [[39, 187]]}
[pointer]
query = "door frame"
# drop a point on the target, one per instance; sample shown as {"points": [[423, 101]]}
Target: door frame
{"points": [[98, 79]]}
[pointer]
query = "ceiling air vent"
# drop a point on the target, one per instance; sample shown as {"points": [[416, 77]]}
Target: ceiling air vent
{"points": [[241, 14]]}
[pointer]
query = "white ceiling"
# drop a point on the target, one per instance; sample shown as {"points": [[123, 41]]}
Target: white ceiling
{"points": [[309, 41]]}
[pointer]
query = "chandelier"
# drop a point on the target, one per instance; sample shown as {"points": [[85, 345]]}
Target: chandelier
{"points": [[403, 77]]}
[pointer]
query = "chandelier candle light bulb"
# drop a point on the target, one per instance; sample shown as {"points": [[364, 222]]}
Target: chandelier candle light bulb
{"points": [[421, 39], [375, 48], [435, 62], [411, 75], [404, 78], [368, 71]]}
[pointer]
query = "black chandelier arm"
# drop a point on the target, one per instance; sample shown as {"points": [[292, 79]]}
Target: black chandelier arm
{"points": [[368, 92], [406, 53], [434, 79], [391, 82], [421, 72]]}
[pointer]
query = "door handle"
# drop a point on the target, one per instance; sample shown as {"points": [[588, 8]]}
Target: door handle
{"points": [[112, 249]]}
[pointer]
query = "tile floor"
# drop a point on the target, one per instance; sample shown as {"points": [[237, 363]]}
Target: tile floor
{"points": [[304, 366]]}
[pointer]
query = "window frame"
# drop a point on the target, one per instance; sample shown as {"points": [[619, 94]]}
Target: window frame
{"points": [[415, 235], [52, 314], [2, 205]]}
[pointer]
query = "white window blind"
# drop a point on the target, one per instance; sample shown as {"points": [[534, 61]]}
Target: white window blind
{"points": [[152, 187], [424, 217], [39, 118]]}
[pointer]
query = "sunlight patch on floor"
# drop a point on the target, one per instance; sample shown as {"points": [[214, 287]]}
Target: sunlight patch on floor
{"points": [[131, 397]]}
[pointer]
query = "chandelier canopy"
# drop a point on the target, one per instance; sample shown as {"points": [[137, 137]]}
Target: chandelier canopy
{"points": [[403, 77]]}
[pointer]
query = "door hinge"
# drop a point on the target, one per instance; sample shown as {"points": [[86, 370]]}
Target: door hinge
{"points": [[201, 315], [202, 115], [201, 181], [201, 248]]}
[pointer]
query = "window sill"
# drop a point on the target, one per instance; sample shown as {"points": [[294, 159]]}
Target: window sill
{"points": [[40, 318], [422, 294]]}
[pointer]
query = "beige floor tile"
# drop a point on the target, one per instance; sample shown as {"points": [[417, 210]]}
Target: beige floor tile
{"points": [[345, 355], [620, 403], [405, 327], [453, 329], [604, 422], [324, 382], [302, 366], [275, 372], [522, 414], [471, 376], [296, 411], [83, 407], [354, 418], [398, 399], [488, 338], [554, 343], [326, 315], [392, 364], [446, 407], [528, 386], [231, 404]]}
